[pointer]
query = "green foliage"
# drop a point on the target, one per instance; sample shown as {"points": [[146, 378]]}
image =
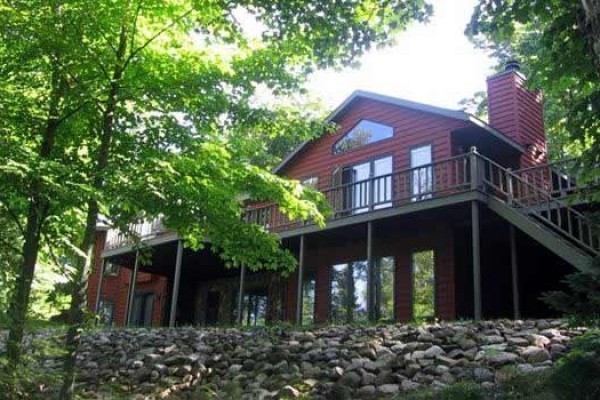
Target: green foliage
{"points": [[33, 381], [578, 375], [423, 285], [581, 301]]}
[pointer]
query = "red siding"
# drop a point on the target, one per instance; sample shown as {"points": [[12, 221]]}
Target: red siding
{"points": [[411, 128], [401, 244], [518, 113], [99, 243], [115, 288]]}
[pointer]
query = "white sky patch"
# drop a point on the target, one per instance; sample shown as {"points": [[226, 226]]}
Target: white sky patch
{"points": [[431, 63]]}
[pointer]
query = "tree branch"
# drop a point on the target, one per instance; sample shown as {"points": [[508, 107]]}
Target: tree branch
{"points": [[14, 217], [155, 36]]}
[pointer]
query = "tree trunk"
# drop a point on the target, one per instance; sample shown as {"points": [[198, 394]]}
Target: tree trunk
{"points": [[36, 216], [591, 27], [83, 263]]}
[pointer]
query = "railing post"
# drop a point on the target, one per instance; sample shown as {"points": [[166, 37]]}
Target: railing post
{"points": [[371, 290], [299, 294], [240, 299], [475, 232], [474, 165], [176, 281], [509, 187], [371, 183], [100, 284], [131, 293]]}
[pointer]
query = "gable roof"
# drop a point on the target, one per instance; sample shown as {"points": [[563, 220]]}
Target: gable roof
{"points": [[443, 112]]}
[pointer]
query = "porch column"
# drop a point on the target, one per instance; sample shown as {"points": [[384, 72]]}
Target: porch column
{"points": [[131, 290], [100, 283], [300, 281], [514, 271], [371, 290], [476, 260], [176, 280], [240, 303]]}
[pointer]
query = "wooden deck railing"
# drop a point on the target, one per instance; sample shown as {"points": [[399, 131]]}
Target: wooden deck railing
{"points": [[136, 231], [543, 205], [559, 178], [441, 178], [530, 187]]}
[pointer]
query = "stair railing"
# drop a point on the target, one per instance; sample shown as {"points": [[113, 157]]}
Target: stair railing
{"points": [[534, 201]]}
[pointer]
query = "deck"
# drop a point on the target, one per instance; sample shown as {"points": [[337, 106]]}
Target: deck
{"points": [[454, 180]]}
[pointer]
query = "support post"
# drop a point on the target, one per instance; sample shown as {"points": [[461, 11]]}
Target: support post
{"points": [[476, 260], [100, 284], [240, 303], [474, 165], [176, 281], [131, 291], [299, 294], [371, 290], [515, 273]]}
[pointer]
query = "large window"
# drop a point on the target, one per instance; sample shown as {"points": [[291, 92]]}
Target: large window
{"points": [[308, 301], [255, 310], [365, 132], [423, 278], [384, 288], [143, 304], [349, 292], [106, 310]]}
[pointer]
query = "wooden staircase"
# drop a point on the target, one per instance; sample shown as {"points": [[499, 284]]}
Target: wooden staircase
{"points": [[534, 208]]}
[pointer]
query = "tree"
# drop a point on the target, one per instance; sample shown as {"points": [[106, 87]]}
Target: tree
{"points": [[557, 42], [150, 110]]}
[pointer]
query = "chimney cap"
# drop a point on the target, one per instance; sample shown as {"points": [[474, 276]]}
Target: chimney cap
{"points": [[512, 65]]}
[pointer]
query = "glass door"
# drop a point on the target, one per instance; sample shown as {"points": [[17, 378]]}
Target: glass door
{"points": [[382, 184], [357, 189], [421, 173]]}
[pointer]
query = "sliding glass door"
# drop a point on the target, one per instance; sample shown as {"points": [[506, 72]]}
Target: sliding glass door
{"points": [[359, 197]]}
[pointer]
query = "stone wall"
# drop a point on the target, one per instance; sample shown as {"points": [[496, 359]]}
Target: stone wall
{"points": [[324, 363]]}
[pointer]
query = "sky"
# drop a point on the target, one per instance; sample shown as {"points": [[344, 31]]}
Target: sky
{"points": [[432, 63]]}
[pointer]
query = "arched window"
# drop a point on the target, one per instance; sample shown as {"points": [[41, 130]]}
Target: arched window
{"points": [[363, 133]]}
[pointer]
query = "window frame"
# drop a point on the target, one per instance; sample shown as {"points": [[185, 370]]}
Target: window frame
{"points": [[108, 272], [355, 126]]}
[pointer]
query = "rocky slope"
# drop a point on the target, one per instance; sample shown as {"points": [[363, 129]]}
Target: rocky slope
{"points": [[323, 363]]}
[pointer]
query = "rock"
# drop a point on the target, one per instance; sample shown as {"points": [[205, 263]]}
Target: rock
{"points": [[281, 367], [366, 391], [493, 339], [483, 375], [501, 358], [538, 340], [409, 385], [434, 351], [389, 388], [535, 355], [351, 379], [550, 333], [289, 392], [449, 362], [235, 368], [557, 349], [517, 341]]}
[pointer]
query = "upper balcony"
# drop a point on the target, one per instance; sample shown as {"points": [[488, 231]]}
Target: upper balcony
{"points": [[431, 185]]}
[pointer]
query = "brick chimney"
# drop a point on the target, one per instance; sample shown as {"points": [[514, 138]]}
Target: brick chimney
{"points": [[518, 112]]}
